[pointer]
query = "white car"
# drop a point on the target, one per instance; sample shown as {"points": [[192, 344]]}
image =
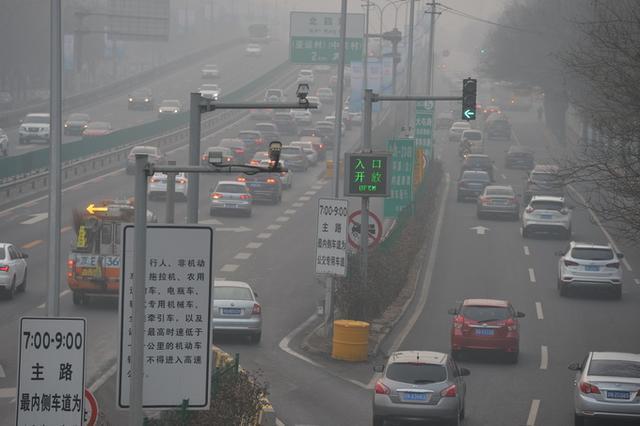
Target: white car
{"points": [[302, 116], [589, 265], [158, 185], [475, 140], [13, 269], [169, 107], [332, 119], [34, 127], [253, 49], [456, 130], [210, 91], [546, 214], [305, 76], [315, 100], [309, 151], [210, 71]]}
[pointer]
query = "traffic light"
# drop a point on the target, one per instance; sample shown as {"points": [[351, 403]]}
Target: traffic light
{"points": [[469, 87]]}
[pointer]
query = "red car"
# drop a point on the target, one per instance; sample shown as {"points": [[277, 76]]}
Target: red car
{"points": [[486, 324], [97, 128]]}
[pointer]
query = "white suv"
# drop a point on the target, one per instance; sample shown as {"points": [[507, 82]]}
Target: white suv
{"points": [[589, 265], [34, 127], [546, 214]]}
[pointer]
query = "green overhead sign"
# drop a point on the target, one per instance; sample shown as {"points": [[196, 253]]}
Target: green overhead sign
{"points": [[403, 152]]}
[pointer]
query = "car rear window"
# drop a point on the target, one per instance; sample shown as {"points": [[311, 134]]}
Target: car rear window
{"points": [[273, 92], [78, 117], [144, 150], [2, 253], [290, 150], [36, 119], [410, 372], [247, 135], [485, 313], [592, 253], [231, 293], [544, 177], [230, 188], [499, 191], [474, 136], [476, 161], [547, 205], [615, 368], [469, 175]]}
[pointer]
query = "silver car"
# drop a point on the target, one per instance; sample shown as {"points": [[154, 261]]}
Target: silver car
{"points": [[231, 196], [498, 200], [419, 386], [589, 265], [607, 386], [236, 310]]}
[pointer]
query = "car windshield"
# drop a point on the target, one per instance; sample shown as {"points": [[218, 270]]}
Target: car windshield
{"points": [[230, 188], [478, 162], [210, 67], [273, 92], [209, 87], [247, 135], [499, 191], [265, 126], [547, 205], [416, 372], [584, 253], [231, 293], [37, 119], [142, 92], [614, 368], [78, 117], [485, 313]]}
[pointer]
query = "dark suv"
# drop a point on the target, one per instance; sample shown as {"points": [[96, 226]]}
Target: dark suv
{"points": [[519, 157], [478, 162], [286, 123]]}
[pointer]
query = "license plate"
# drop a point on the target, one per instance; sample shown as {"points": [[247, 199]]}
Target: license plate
{"points": [[414, 396], [89, 272], [592, 268], [545, 216], [484, 332], [231, 311], [618, 395], [231, 206]]}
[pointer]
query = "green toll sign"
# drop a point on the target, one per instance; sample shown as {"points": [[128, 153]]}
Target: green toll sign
{"points": [[367, 174]]}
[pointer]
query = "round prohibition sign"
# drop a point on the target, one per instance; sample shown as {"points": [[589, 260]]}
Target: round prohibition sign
{"points": [[354, 227], [90, 408]]}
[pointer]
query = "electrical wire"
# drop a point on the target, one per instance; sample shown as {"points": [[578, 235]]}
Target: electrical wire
{"points": [[486, 21]]}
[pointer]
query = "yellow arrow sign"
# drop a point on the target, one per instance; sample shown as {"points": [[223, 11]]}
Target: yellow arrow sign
{"points": [[91, 208]]}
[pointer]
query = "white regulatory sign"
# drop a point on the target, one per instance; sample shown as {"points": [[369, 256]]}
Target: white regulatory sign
{"points": [[51, 371], [177, 333], [331, 242]]}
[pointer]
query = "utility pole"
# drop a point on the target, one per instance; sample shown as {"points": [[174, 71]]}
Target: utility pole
{"points": [[432, 31], [366, 46], [410, 59], [194, 157], [55, 178]]}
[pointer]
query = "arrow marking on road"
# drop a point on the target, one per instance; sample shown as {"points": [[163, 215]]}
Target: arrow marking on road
{"points": [[237, 229], [480, 230], [35, 218]]}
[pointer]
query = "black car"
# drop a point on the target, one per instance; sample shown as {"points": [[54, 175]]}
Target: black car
{"points": [[519, 157], [544, 179], [472, 183], [478, 162], [253, 141], [263, 186], [76, 123], [328, 134], [141, 99], [286, 123], [497, 127]]}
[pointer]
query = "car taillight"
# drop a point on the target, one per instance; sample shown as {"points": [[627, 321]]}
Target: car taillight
{"points": [[245, 197], [216, 195], [484, 200], [283, 173], [71, 264], [181, 181], [511, 324], [381, 389], [529, 210], [153, 180], [613, 265], [229, 159], [570, 263], [458, 322], [241, 179], [451, 391], [259, 141], [588, 388], [204, 157], [271, 181], [257, 309], [4, 268], [240, 150], [255, 162], [460, 184], [321, 146]]}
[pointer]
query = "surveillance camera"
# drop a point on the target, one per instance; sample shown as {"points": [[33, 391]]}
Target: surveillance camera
{"points": [[215, 158], [302, 91], [274, 153]]}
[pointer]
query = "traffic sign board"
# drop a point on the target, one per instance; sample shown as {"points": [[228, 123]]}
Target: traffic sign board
{"points": [[402, 167], [90, 408], [51, 371], [315, 37], [424, 125], [367, 174], [375, 229], [331, 240], [177, 328]]}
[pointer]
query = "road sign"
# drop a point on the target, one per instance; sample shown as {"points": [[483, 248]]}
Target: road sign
{"points": [[91, 410], [51, 371], [367, 174], [424, 126], [315, 37], [177, 330], [402, 165], [331, 240], [375, 229]]}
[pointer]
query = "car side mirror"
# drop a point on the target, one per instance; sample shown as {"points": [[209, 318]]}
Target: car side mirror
{"points": [[453, 311], [574, 366], [620, 255], [255, 294], [378, 368], [520, 314], [464, 371], [24, 256]]}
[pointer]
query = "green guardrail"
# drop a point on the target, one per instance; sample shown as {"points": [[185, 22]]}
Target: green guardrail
{"points": [[39, 159]]}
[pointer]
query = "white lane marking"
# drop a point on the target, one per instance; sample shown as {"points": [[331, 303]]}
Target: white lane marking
{"points": [[64, 293], [35, 218], [254, 245], [279, 422], [264, 235], [304, 198], [2, 375], [284, 343], [539, 311], [310, 193], [526, 250], [532, 275], [316, 187], [274, 227], [544, 357], [103, 379], [503, 177], [297, 204], [219, 279], [8, 393], [242, 256], [604, 231], [289, 211], [282, 219], [533, 412], [637, 280], [210, 222], [229, 268]]}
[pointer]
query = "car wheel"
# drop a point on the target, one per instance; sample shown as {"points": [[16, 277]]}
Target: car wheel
{"points": [[525, 233], [512, 357], [578, 420], [248, 214], [12, 290], [617, 292], [23, 284], [562, 288], [378, 421], [459, 198], [456, 354], [479, 214], [255, 338], [212, 212], [77, 298]]}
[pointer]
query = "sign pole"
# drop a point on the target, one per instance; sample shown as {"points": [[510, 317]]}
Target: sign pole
{"points": [[364, 222], [140, 264], [410, 58], [171, 194], [194, 157]]}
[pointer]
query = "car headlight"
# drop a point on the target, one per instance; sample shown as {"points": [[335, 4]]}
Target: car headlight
{"points": [[66, 125], [175, 110], [130, 99], [159, 110], [146, 99]]}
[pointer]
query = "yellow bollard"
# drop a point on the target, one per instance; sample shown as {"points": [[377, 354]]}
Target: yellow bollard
{"points": [[350, 340], [329, 172]]}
